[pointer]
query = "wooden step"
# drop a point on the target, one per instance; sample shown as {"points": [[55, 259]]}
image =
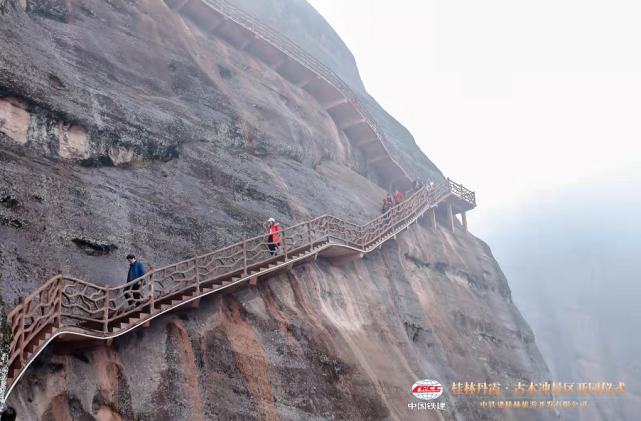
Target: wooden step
{"points": [[35, 344]]}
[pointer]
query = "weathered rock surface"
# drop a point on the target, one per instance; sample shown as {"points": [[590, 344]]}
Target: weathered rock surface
{"points": [[124, 128]]}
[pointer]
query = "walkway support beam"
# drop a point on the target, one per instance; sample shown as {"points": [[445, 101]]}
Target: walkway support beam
{"points": [[464, 218], [215, 25], [352, 123], [378, 159], [368, 142], [303, 83], [450, 216], [333, 104]]}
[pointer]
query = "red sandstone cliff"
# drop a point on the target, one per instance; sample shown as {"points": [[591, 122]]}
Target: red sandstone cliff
{"points": [[123, 127]]}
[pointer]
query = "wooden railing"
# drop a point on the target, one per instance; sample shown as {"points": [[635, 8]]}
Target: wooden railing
{"points": [[64, 301], [295, 52]]}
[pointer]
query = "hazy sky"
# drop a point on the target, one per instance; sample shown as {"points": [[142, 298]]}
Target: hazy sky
{"points": [[512, 98], [535, 105]]}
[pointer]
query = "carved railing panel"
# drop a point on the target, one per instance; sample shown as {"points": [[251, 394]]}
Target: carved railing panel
{"points": [[296, 237], [15, 318], [220, 263], [81, 301]]}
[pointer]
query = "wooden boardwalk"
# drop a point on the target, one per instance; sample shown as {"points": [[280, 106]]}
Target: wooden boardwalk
{"points": [[72, 309]]}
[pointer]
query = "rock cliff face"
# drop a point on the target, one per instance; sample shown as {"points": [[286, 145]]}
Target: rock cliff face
{"points": [[124, 128]]}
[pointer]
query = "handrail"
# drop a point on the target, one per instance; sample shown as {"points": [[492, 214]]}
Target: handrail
{"points": [[295, 52], [65, 302]]}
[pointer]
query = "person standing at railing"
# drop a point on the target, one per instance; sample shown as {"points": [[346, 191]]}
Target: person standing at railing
{"points": [[273, 239], [136, 270], [387, 205], [418, 184], [390, 200], [430, 184], [398, 198]]}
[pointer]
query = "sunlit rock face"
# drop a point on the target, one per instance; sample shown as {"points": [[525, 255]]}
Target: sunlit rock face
{"points": [[127, 129]]}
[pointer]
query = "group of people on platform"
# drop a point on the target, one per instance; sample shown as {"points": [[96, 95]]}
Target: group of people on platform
{"points": [[389, 202]]}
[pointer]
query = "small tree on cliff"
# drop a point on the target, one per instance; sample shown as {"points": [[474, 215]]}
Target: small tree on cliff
{"points": [[5, 344]]}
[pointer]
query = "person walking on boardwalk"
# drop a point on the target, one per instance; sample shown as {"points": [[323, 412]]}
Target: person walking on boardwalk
{"points": [[398, 198], [136, 270], [273, 239], [387, 205]]}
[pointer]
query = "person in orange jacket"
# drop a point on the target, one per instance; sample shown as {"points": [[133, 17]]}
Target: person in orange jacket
{"points": [[398, 198], [273, 239]]}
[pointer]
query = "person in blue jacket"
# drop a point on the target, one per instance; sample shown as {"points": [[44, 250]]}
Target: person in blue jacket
{"points": [[136, 270]]}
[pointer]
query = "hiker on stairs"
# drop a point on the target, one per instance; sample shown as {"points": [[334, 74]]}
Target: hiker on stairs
{"points": [[398, 198], [136, 270], [273, 239], [385, 207]]}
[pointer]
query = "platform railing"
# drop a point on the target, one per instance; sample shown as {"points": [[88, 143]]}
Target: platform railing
{"points": [[291, 49]]}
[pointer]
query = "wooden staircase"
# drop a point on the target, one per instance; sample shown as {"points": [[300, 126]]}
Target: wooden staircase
{"points": [[74, 310]]}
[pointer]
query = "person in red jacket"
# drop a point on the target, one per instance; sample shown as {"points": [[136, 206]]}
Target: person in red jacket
{"points": [[398, 198], [273, 239]]}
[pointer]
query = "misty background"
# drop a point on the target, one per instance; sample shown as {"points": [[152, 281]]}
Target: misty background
{"points": [[535, 106]]}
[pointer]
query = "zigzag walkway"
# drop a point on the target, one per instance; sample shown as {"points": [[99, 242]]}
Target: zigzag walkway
{"points": [[71, 309]]}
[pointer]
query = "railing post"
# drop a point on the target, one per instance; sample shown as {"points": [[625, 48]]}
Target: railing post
{"points": [[309, 232], [245, 257], [105, 317], [61, 282], [285, 243], [152, 290], [197, 275], [21, 344]]}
